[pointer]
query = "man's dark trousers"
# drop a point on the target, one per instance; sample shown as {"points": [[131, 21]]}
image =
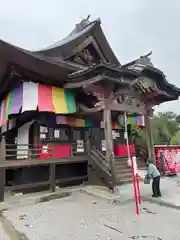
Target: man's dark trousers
{"points": [[156, 187]]}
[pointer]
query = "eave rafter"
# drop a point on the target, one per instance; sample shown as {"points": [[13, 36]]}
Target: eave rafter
{"points": [[84, 83], [110, 102]]}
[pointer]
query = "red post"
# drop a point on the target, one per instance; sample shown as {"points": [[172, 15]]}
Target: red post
{"points": [[135, 188], [138, 188]]}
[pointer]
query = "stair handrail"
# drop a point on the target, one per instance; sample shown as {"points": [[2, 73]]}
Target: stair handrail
{"points": [[100, 160], [98, 153], [100, 163]]}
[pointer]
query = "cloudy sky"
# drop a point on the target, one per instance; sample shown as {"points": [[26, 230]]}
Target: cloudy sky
{"points": [[133, 28]]}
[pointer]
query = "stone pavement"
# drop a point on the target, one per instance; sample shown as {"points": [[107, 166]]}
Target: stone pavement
{"points": [[31, 210], [170, 188], [83, 216], [3, 234]]}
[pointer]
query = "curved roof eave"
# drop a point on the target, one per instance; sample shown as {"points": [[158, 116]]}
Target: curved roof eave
{"points": [[65, 47], [94, 70], [42, 65], [164, 83], [70, 38], [149, 69]]}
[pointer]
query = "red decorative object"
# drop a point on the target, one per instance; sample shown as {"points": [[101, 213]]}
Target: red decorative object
{"points": [[44, 151], [134, 180], [138, 188], [61, 151], [171, 155], [121, 150], [58, 151]]}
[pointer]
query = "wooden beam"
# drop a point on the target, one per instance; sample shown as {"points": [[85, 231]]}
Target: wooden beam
{"points": [[129, 90], [34, 162], [127, 108], [98, 50], [109, 143], [150, 145], [44, 183], [84, 83], [81, 46], [27, 185], [85, 43], [91, 110], [52, 177]]}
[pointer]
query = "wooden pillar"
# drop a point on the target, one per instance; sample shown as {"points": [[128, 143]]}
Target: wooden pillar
{"points": [[53, 177], [150, 145], [109, 143], [2, 169]]}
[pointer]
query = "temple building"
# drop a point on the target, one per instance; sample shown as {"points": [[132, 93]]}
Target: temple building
{"points": [[67, 111]]}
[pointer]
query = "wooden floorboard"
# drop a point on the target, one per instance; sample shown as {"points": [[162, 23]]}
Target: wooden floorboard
{"points": [[27, 185], [70, 179], [37, 162], [44, 183]]}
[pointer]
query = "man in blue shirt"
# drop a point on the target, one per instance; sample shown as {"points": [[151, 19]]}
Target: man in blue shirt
{"points": [[153, 173]]}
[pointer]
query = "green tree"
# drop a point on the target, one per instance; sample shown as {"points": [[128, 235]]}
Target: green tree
{"points": [[165, 129], [178, 118]]}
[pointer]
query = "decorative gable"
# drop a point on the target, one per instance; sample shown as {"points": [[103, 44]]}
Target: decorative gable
{"points": [[87, 53]]}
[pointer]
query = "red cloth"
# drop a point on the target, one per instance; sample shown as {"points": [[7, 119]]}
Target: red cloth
{"points": [[62, 151], [45, 103], [121, 150], [57, 151]]}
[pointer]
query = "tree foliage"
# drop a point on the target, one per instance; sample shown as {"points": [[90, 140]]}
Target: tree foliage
{"points": [[165, 128]]}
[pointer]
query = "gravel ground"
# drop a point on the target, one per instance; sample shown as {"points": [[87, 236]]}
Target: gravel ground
{"points": [[82, 216], [3, 234]]}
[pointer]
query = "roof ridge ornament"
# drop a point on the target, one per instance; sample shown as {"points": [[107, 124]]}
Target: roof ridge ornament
{"points": [[83, 23], [140, 62], [145, 60]]}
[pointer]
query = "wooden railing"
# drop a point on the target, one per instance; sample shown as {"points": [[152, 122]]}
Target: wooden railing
{"points": [[103, 166], [24, 155], [29, 151], [101, 161]]}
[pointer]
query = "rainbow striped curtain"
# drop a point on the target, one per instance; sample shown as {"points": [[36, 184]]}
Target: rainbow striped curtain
{"points": [[31, 96]]}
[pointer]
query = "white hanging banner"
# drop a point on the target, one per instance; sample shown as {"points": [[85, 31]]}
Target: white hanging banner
{"points": [[23, 141], [30, 96]]}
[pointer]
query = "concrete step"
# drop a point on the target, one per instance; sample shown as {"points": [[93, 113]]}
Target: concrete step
{"points": [[121, 160], [123, 181], [123, 171], [123, 175], [126, 180], [121, 166]]}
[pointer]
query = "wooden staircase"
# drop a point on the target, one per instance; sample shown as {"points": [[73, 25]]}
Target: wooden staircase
{"points": [[99, 172], [123, 171]]}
